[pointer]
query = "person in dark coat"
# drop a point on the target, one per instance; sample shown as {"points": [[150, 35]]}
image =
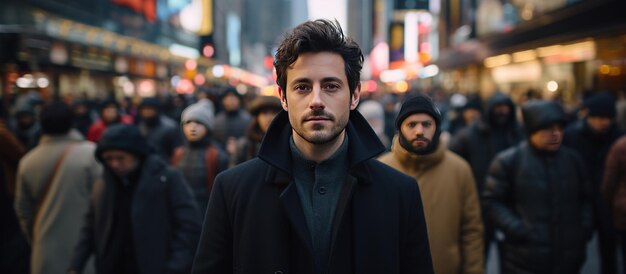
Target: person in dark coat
{"points": [[537, 193], [199, 160], [161, 132], [614, 190], [232, 121], [315, 200], [592, 138], [142, 216], [25, 126], [479, 143]]}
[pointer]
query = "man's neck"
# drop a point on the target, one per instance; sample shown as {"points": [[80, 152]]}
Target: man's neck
{"points": [[318, 152]]}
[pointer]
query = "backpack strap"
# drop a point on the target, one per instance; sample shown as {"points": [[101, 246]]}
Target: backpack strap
{"points": [[177, 156], [210, 158]]}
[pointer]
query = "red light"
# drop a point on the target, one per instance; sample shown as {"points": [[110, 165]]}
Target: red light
{"points": [[268, 62], [371, 86], [191, 64], [208, 50]]}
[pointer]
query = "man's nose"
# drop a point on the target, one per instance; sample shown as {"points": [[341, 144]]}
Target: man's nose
{"points": [[316, 98]]}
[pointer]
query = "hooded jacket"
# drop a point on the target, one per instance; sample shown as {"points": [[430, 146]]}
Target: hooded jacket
{"points": [[255, 223], [480, 142], [164, 216], [451, 206]]}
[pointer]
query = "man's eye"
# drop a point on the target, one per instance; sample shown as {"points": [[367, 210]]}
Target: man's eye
{"points": [[301, 88], [331, 86]]}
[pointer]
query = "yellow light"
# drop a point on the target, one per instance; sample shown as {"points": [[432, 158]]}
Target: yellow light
{"points": [[615, 71], [605, 69], [548, 51], [524, 56], [496, 61], [552, 86], [402, 86]]}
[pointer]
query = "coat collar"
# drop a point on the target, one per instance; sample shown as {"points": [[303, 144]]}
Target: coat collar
{"points": [[72, 136], [363, 145], [417, 162]]}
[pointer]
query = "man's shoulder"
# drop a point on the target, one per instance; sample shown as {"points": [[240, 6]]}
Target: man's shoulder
{"points": [[456, 162], [254, 168]]}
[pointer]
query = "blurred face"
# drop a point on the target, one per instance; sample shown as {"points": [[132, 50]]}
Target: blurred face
{"points": [[25, 121], [265, 118], [147, 113], [80, 110], [120, 162], [194, 131], [231, 102], [109, 114], [501, 113], [318, 98], [599, 124], [548, 139], [471, 115], [418, 130]]}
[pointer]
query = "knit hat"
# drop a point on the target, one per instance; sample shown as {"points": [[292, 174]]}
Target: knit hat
{"points": [[602, 104], [198, 112], [56, 118], [150, 102], [262, 103], [540, 114], [123, 137], [418, 104]]}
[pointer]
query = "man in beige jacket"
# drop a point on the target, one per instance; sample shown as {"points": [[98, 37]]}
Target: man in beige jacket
{"points": [[451, 207]]}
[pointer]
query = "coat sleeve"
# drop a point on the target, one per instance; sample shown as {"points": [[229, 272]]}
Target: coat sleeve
{"points": [[85, 245], [186, 225], [497, 196], [25, 204], [459, 144], [612, 171], [416, 256], [586, 196], [471, 228], [214, 254]]}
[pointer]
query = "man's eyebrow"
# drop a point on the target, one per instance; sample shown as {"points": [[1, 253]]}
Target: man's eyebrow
{"points": [[331, 79], [300, 80]]}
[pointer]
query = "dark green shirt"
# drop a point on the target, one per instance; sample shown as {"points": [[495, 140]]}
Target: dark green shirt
{"points": [[319, 188]]}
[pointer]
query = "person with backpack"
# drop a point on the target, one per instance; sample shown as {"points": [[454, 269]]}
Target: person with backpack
{"points": [[199, 160]]}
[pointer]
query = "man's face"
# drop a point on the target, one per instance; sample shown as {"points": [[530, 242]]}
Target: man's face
{"points": [[109, 114], [599, 124], [548, 139], [318, 98], [265, 118], [231, 102], [25, 120], [194, 131], [471, 115], [501, 113], [418, 130], [120, 162], [147, 113]]}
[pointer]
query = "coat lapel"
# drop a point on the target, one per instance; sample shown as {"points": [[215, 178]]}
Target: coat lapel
{"points": [[293, 208]]}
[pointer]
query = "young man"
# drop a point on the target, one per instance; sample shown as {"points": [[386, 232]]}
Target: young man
{"points": [[450, 199], [161, 132], [142, 217], [538, 195], [314, 201], [53, 185]]}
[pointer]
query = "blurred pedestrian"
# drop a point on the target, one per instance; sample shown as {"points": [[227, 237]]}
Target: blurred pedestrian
{"points": [[314, 201], [614, 190], [374, 113], [199, 160], [53, 185], [537, 193], [451, 207], [592, 137], [26, 126], [82, 117], [14, 250], [231, 123], [142, 217], [161, 132], [469, 113], [110, 114], [479, 143], [263, 110]]}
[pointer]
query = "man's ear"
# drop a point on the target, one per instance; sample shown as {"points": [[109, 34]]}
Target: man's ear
{"points": [[356, 97], [283, 99]]}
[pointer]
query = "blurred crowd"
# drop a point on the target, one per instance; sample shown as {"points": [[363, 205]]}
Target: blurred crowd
{"points": [[144, 168]]}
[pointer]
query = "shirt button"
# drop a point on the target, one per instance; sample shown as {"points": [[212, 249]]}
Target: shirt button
{"points": [[322, 190]]}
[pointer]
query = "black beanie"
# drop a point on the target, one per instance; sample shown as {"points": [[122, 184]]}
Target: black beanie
{"points": [[418, 104], [123, 137], [602, 104], [539, 114], [152, 102], [56, 118]]}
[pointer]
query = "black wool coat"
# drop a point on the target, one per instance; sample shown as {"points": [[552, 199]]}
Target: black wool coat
{"points": [[255, 223], [164, 216]]}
